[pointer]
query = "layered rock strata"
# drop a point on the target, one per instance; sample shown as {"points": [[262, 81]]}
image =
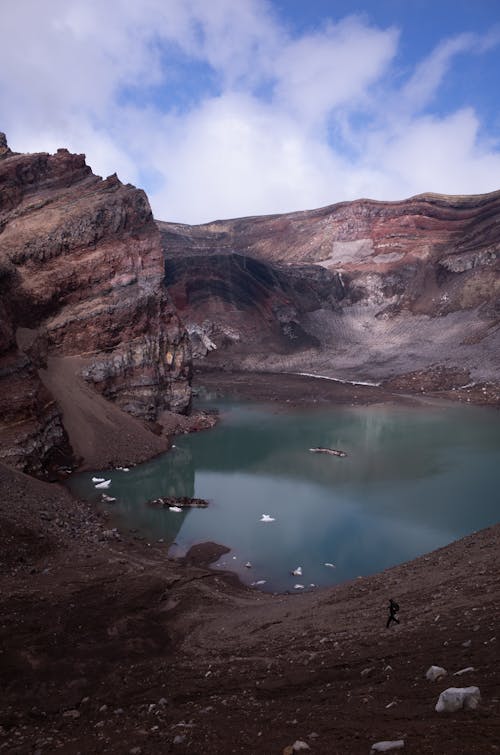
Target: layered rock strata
{"points": [[81, 279], [358, 290]]}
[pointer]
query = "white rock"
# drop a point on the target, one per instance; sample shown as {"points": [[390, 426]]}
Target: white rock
{"points": [[434, 673], [387, 746], [455, 698], [464, 671]]}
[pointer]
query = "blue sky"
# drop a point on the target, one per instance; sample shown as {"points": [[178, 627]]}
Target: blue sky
{"points": [[226, 108]]}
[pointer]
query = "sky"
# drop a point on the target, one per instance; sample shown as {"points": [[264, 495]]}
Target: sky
{"points": [[230, 108]]}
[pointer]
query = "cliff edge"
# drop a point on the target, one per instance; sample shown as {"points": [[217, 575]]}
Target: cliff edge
{"points": [[81, 296]]}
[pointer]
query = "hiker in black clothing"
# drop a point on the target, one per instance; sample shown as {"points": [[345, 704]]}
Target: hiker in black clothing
{"points": [[393, 609]]}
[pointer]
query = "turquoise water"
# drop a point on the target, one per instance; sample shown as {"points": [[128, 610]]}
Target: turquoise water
{"points": [[415, 478]]}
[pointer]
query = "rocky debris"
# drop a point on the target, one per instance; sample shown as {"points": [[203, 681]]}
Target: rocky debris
{"points": [[457, 698], [388, 746], [181, 502], [435, 673]]}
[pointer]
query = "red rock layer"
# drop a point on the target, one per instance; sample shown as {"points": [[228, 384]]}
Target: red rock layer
{"points": [[381, 288], [81, 274]]}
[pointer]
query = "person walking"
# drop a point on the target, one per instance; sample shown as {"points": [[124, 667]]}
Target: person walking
{"points": [[393, 609]]}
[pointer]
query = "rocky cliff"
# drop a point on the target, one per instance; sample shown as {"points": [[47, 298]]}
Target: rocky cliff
{"points": [[360, 290], [81, 284]]}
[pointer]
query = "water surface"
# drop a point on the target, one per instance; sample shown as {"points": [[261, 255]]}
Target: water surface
{"points": [[415, 478]]}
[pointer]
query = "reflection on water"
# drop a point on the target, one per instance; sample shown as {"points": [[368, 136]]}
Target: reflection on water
{"points": [[414, 479]]}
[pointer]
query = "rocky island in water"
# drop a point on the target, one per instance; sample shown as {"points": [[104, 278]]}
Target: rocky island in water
{"points": [[107, 320]]}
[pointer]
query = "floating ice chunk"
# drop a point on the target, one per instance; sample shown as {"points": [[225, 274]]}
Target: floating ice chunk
{"points": [[175, 508], [125, 469], [108, 498], [98, 479], [297, 572], [103, 484], [248, 565], [298, 587], [330, 566], [267, 518], [259, 582]]}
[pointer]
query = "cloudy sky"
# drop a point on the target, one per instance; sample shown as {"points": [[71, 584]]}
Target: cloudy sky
{"points": [[225, 108]]}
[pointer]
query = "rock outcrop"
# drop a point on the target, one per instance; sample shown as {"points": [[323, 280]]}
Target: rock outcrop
{"points": [[81, 280], [358, 290]]}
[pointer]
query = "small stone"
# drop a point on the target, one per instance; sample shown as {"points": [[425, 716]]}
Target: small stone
{"points": [[135, 751], [179, 739], [367, 671], [434, 673], [103, 709], [71, 714], [467, 644], [299, 745], [387, 746], [464, 671]]}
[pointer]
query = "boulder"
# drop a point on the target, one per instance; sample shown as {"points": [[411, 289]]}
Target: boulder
{"points": [[456, 698]]}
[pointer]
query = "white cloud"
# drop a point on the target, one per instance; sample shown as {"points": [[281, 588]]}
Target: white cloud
{"points": [[288, 122], [320, 72]]}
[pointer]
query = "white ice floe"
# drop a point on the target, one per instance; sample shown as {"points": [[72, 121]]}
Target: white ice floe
{"points": [[298, 587], [175, 508], [98, 479], [248, 565], [259, 582], [108, 498], [103, 484], [267, 518], [297, 572], [330, 566]]}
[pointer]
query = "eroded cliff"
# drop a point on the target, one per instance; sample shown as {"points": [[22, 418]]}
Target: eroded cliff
{"points": [[359, 290], [81, 283]]}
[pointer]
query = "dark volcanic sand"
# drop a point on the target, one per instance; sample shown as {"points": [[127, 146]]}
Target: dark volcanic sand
{"points": [[106, 645]]}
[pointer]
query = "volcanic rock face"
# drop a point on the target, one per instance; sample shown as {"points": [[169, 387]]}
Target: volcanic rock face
{"points": [[359, 290], [81, 271]]}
